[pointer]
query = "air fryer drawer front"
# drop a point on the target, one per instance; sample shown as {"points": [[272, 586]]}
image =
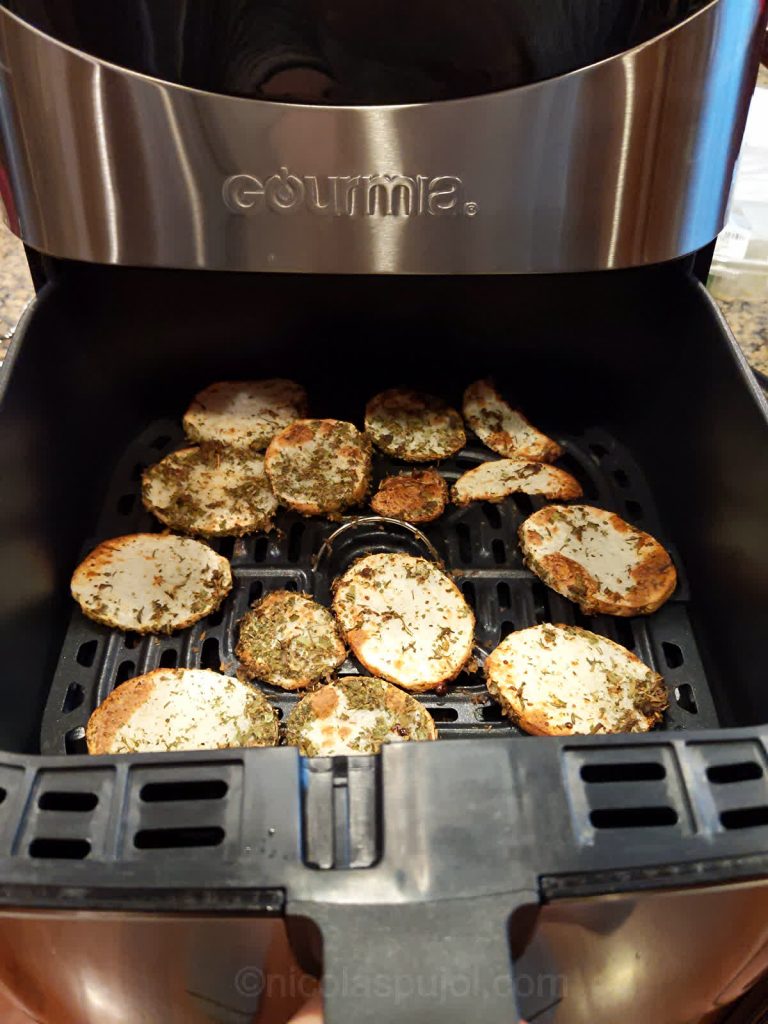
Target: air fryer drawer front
{"points": [[553, 176]]}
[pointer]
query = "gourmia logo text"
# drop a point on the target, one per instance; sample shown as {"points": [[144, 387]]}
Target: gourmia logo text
{"points": [[358, 195]]}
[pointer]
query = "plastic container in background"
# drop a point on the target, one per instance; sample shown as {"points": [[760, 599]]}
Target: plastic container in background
{"points": [[740, 263]]}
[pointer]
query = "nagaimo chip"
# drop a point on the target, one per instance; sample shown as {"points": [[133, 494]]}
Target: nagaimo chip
{"points": [[413, 426], [151, 582], [244, 413], [210, 491], [597, 560], [405, 620], [181, 709], [356, 715], [289, 640], [555, 680]]}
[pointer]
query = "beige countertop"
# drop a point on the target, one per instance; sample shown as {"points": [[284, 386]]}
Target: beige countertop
{"points": [[748, 320]]}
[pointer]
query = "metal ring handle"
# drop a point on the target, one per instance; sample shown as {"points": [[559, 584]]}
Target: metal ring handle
{"points": [[327, 546]]}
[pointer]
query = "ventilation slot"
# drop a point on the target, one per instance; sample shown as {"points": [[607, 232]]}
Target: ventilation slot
{"points": [[745, 817], [444, 714], [73, 698], [499, 553], [625, 634], [74, 741], [465, 544], [492, 514], [686, 699], [598, 450], [177, 838], [503, 596], [540, 602], [621, 478], [490, 713], [623, 771], [260, 549], [126, 671], [294, 541], [215, 618], [672, 654], [468, 590], [634, 509], [204, 789], [633, 817], [62, 801], [169, 658], [257, 589], [524, 503], [209, 656], [60, 849], [131, 641], [506, 628], [125, 504], [291, 585], [227, 547], [86, 653], [724, 774], [3, 794]]}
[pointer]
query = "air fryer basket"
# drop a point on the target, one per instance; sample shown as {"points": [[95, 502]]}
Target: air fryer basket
{"points": [[478, 544], [662, 422]]}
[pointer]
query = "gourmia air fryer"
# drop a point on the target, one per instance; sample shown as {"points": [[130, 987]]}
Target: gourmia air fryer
{"points": [[362, 197]]}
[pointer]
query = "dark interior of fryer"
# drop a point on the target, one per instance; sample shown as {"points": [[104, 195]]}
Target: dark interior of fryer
{"points": [[633, 367]]}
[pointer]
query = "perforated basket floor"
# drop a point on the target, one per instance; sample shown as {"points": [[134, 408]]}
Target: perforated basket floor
{"points": [[478, 545]]}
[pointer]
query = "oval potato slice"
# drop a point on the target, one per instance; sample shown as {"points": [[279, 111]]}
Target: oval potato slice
{"points": [[181, 709], [356, 715], [493, 481], [556, 680], [210, 491], [505, 430], [318, 466], [417, 497], [405, 620], [289, 640], [414, 426], [244, 413], [151, 582], [597, 560]]}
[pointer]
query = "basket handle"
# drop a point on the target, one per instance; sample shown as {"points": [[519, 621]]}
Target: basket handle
{"points": [[442, 962]]}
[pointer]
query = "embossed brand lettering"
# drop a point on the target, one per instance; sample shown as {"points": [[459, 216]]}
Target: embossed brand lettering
{"points": [[359, 195]]}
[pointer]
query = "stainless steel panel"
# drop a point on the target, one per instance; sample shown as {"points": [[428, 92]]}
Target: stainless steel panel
{"points": [[656, 957], [105, 968], [626, 162]]}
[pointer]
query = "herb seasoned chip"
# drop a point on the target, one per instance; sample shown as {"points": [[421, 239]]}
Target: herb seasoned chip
{"points": [[505, 430], [417, 497], [244, 413], [405, 620], [210, 491], [556, 680], [413, 426], [318, 466], [181, 709], [493, 481], [151, 582], [597, 560], [290, 641], [356, 715]]}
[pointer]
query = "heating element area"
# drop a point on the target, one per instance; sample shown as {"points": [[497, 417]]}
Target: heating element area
{"points": [[477, 544]]}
